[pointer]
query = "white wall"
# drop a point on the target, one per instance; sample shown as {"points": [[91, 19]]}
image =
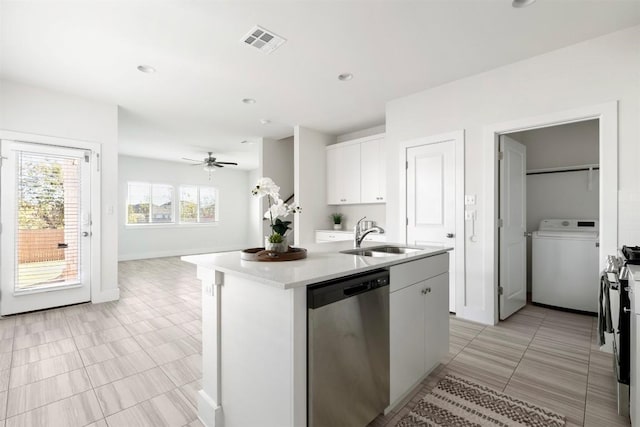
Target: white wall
{"points": [[277, 164], [231, 232], [559, 146], [255, 237], [374, 211], [310, 184], [588, 73], [31, 110]]}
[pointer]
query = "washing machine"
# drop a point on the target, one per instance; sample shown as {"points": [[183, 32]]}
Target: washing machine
{"points": [[565, 264]]}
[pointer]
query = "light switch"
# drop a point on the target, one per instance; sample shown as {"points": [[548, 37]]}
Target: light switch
{"points": [[470, 199], [110, 210]]}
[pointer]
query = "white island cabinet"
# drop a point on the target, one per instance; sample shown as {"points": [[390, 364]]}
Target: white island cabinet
{"points": [[254, 328]]}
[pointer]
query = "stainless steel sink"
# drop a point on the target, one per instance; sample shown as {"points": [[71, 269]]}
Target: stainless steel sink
{"points": [[395, 250], [382, 251], [367, 252]]}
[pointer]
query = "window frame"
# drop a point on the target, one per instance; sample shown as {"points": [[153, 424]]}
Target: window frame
{"points": [[198, 223], [150, 222]]}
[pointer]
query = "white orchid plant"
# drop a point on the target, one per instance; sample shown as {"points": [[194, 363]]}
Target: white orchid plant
{"points": [[278, 209]]}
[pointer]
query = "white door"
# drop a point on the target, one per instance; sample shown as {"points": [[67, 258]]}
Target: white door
{"points": [[46, 227], [431, 204], [513, 216]]}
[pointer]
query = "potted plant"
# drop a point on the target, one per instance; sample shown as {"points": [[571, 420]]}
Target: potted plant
{"points": [[337, 220], [278, 209]]}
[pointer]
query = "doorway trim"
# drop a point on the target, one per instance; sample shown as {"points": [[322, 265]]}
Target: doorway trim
{"points": [[607, 114], [458, 138], [96, 203]]}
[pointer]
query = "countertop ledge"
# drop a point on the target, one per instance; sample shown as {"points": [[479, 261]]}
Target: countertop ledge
{"points": [[324, 262]]}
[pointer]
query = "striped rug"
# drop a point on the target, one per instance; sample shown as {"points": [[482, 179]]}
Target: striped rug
{"points": [[456, 402]]}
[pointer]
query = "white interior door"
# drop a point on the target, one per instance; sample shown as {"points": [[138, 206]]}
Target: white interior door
{"points": [[431, 204], [46, 227], [513, 215]]}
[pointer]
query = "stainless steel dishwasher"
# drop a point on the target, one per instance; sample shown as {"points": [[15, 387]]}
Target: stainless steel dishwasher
{"points": [[348, 350]]}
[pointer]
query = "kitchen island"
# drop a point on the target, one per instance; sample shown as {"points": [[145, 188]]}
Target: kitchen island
{"points": [[255, 328]]}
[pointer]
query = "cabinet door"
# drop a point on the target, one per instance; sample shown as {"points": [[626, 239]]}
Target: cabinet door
{"points": [[333, 198], [343, 174], [436, 312], [407, 334], [372, 174], [348, 174]]}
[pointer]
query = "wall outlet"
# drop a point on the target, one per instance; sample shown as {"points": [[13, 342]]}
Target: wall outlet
{"points": [[470, 199], [469, 215]]}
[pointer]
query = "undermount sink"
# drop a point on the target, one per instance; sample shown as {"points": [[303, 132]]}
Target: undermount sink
{"points": [[382, 251], [367, 252], [396, 250]]}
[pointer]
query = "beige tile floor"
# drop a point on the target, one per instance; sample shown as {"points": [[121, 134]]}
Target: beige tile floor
{"points": [[546, 357], [137, 362]]}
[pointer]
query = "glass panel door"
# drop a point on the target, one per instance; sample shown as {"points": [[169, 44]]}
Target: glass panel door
{"points": [[45, 212]]}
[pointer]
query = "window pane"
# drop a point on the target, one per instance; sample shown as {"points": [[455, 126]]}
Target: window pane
{"points": [[207, 204], [162, 208], [189, 204], [138, 203]]}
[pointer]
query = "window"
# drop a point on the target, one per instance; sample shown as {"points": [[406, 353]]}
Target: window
{"points": [[198, 204], [149, 203]]}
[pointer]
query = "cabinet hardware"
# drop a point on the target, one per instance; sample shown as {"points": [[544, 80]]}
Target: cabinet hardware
{"points": [[450, 235]]}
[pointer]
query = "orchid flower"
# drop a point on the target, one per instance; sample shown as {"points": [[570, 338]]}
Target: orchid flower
{"points": [[266, 187]]}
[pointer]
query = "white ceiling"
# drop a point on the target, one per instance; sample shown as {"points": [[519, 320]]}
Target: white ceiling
{"points": [[193, 103]]}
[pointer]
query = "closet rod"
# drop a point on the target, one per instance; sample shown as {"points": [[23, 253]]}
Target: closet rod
{"points": [[543, 172]]}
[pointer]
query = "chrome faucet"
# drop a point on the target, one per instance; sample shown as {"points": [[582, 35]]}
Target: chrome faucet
{"points": [[358, 236]]}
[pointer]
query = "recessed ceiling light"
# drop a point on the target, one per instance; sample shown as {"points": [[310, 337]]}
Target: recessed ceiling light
{"points": [[249, 101], [265, 121], [345, 77], [146, 69], [522, 3]]}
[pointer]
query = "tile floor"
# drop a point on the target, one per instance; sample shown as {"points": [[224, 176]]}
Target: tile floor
{"points": [[137, 362], [547, 357]]}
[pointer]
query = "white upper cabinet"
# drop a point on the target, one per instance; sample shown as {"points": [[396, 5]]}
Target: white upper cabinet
{"points": [[343, 174], [356, 171], [372, 171]]}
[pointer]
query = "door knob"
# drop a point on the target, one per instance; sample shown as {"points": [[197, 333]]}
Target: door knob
{"points": [[85, 234], [450, 235]]}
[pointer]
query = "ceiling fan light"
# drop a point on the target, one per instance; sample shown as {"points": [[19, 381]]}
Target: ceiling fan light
{"points": [[209, 168]]}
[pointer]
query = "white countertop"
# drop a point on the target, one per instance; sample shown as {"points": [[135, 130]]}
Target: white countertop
{"points": [[324, 262]]}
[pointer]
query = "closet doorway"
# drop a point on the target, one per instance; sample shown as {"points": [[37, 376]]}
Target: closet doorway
{"points": [[548, 206]]}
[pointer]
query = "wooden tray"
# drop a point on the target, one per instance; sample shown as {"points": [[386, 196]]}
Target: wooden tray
{"points": [[260, 254]]}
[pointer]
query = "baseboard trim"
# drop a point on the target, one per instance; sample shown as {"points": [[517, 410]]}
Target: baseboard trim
{"points": [[209, 412], [106, 296], [180, 252]]}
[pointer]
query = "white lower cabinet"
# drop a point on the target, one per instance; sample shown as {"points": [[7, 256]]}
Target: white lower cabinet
{"points": [[419, 328]]}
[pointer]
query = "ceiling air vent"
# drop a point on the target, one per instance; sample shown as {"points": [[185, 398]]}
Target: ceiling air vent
{"points": [[262, 39]]}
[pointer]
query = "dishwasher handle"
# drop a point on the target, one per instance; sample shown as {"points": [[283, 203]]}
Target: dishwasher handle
{"points": [[357, 289]]}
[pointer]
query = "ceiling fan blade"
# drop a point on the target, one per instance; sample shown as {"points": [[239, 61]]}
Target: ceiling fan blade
{"points": [[191, 160], [227, 163], [199, 164], [218, 165]]}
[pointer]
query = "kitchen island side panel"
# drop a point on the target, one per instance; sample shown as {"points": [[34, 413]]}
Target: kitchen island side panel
{"points": [[262, 354]]}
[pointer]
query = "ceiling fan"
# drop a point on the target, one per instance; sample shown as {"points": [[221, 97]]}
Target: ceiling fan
{"points": [[210, 162]]}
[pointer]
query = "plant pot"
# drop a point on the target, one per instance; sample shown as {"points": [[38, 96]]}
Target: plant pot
{"points": [[276, 247], [337, 226]]}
